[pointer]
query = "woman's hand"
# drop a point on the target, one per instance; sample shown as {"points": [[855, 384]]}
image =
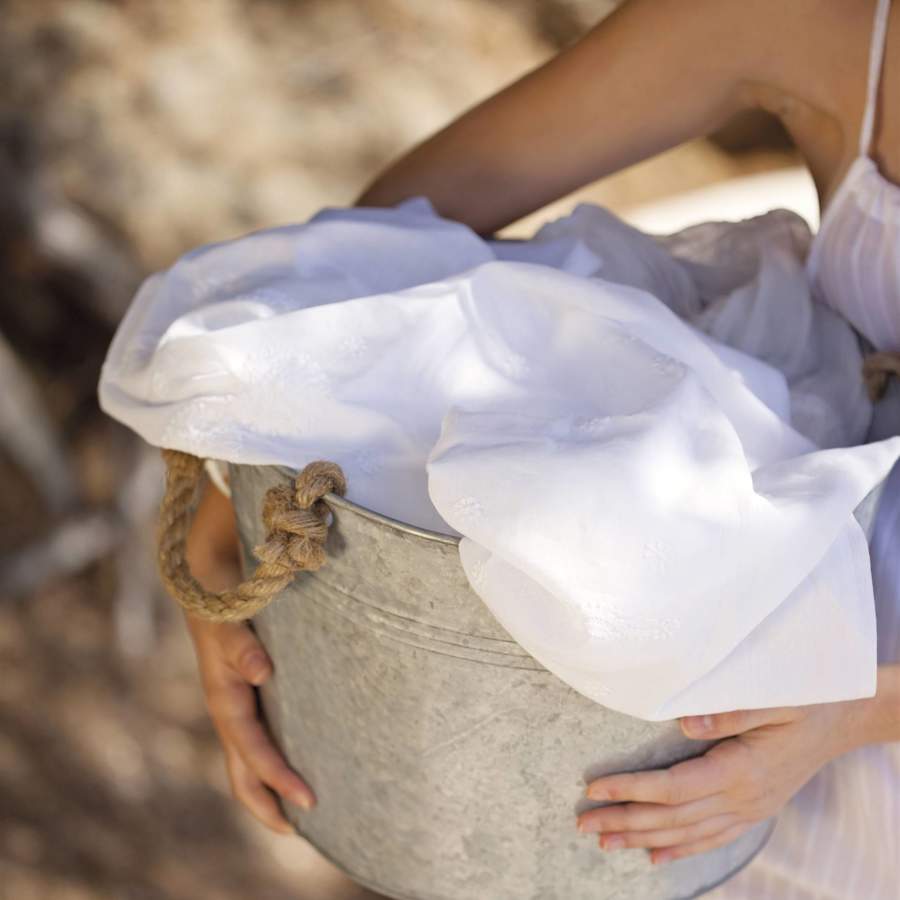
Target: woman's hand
{"points": [[233, 663], [711, 800]]}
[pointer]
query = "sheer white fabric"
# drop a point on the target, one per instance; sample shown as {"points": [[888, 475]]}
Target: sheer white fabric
{"points": [[839, 838], [636, 507], [853, 264]]}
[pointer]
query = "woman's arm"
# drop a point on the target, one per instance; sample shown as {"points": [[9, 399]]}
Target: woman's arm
{"points": [[880, 715], [652, 75]]}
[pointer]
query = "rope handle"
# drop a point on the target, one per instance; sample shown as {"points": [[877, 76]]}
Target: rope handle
{"points": [[295, 517], [877, 369]]}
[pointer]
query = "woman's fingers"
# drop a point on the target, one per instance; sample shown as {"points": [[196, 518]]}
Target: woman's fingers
{"points": [[622, 817], [668, 837], [729, 724], [759, 759], [233, 645], [248, 656], [254, 795], [693, 779], [235, 715], [232, 661], [732, 833]]}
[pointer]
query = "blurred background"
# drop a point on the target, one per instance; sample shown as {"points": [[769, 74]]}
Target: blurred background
{"points": [[130, 132]]}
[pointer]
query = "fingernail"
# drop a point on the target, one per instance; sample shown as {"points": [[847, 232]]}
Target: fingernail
{"points": [[698, 724], [597, 793], [258, 668], [586, 827], [661, 858], [613, 842], [303, 800]]}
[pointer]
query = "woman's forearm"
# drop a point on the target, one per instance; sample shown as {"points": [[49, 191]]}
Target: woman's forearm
{"points": [[606, 102], [880, 715]]}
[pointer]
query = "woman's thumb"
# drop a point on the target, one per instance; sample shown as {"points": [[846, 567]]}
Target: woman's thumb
{"points": [[247, 655]]}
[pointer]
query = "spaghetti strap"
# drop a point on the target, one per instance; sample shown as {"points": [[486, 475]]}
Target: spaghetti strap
{"points": [[876, 56]]}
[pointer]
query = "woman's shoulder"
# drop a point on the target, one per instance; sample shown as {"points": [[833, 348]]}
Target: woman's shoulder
{"points": [[806, 62], [805, 46], [766, 40]]}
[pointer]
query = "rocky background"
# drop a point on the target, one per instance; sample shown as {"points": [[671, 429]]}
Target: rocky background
{"points": [[131, 131]]}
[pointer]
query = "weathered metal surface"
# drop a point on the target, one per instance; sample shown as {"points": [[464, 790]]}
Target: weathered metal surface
{"points": [[449, 765]]}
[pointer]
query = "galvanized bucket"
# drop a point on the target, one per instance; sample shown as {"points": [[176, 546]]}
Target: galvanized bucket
{"points": [[448, 763]]}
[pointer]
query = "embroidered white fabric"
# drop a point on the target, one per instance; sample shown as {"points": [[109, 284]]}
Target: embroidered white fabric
{"points": [[651, 446]]}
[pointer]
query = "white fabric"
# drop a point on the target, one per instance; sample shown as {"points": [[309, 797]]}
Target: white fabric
{"points": [[839, 838], [636, 509], [853, 264]]}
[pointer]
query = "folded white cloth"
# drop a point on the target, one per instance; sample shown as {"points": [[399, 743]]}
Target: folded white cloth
{"points": [[643, 504]]}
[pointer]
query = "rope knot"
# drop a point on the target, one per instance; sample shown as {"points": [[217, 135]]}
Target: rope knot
{"points": [[296, 522], [296, 519]]}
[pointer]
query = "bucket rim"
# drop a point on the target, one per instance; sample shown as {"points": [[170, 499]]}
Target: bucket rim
{"points": [[342, 503]]}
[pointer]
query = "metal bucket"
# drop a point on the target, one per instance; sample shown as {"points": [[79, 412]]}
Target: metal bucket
{"points": [[448, 763]]}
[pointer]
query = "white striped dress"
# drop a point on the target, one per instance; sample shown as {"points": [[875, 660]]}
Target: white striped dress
{"points": [[839, 838]]}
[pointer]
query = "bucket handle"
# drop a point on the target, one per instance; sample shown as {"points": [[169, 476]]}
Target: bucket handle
{"points": [[295, 517]]}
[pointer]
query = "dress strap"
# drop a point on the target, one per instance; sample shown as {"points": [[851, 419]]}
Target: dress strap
{"points": [[876, 56]]}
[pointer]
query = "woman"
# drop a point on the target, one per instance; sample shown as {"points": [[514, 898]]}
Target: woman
{"points": [[652, 75]]}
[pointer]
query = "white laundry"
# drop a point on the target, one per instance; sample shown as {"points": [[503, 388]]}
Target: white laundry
{"points": [[635, 505]]}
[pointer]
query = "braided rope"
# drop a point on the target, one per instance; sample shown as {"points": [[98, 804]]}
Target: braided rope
{"points": [[296, 529]]}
